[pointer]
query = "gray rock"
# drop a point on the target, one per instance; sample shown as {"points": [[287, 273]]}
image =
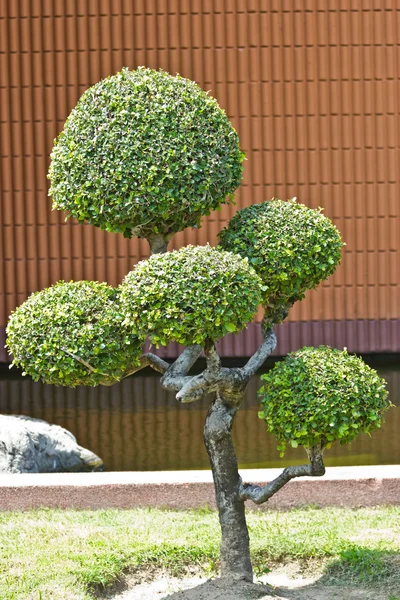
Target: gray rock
{"points": [[34, 446]]}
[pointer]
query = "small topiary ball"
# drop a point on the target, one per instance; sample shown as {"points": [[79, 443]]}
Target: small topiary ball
{"points": [[72, 334], [190, 295], [319, 395], [144, 152], [291, 247]]}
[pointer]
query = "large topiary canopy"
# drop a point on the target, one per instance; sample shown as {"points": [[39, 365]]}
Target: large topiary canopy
{"points": [[318, 395], [291, 247], [144, 152], [72, 334], [191, 295]]}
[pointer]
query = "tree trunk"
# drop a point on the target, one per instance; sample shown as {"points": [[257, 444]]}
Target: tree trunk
{"points": [[158, 243], [235, 548]]}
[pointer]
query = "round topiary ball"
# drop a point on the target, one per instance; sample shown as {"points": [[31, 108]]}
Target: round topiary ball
{"points": [[291, 247], [72, 334], [144, 152], [319, 395], [191, 295]]}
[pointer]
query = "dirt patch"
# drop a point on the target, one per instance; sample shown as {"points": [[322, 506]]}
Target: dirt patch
{"points": [[194, 588], [220, 589], [150, 582], [280, 587]]}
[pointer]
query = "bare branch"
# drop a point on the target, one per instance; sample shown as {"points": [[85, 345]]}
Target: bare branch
{"points": [[185, 361], [260, 356], [148, 360], [267, 346], [198, 386], [228, 381], [258, 494], [79, 359], [191, 395], [176, 375], [214, 378], [108, 381], [155, 362], [212, 357]]}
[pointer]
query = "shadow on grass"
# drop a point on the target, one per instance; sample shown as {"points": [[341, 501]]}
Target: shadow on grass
{"points": [[363, 565], [177, 561], [359, 566], [358, 573]]}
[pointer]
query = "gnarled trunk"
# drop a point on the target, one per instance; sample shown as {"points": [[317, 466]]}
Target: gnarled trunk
{"points": [[235, 549], [158, 243]]}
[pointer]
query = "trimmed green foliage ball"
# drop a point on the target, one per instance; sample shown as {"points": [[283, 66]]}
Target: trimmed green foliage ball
{"points": [[190, 295], [144, 152], [319, 395], [56, 331], [291, 247]]}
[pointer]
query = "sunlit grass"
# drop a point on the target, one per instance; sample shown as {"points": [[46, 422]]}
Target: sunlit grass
{"points": [[61, 554]]}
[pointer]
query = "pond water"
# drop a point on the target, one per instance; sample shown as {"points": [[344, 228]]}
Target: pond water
{"points": [[137, 426]]}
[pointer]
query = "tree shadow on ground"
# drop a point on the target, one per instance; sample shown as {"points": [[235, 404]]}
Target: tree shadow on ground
{"points": [[359, 573]]}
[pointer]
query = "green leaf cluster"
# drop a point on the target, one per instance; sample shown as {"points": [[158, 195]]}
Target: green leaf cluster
{"points": [[190, 295], [77, 318], [319, 395], [291, 247], [144, 152]]}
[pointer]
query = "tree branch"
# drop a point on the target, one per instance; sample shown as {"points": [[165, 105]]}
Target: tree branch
{"points": [[258, 494], [176, 375], [212, 358], [155, 362], [260, 356], [79, 359], [146, 360], [214, 378], [267, 346], [185, 361], [198, 386], [149, 360], [227, 381]]}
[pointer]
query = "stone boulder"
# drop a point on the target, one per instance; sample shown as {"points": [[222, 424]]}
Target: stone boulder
{"points": [[33, 446]]}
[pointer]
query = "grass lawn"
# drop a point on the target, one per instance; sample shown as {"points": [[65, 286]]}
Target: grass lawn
{"points": [[66, 554]]}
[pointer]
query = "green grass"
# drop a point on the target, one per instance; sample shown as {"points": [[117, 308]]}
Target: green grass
{"points": [[363, 565], [55, 554]]}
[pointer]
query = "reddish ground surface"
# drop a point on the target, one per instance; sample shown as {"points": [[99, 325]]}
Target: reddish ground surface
{"points": [[349, 487]]}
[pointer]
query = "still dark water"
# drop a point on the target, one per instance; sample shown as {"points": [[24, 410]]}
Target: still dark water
{"points": [[137, 426]]}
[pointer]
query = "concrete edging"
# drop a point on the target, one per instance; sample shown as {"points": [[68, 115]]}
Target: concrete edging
{"points": [[341, 486]]}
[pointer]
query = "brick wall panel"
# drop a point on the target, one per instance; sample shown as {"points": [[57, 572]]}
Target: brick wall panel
{"points": [[312, 90]]}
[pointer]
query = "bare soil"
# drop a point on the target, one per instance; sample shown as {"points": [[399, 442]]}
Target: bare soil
{"points": [[280, 587]]}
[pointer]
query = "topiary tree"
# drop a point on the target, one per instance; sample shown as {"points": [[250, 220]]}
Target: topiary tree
{"points": [[190, 296], [291, 247], [324, 393], [145, 154], [148, 154], [71, 334]]}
